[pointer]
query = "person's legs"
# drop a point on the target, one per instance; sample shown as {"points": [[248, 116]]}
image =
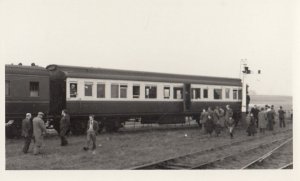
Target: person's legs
{"points": [[93, 136], [280, 122], [36, 149], [63, 140], [88, 140], [26, 144]]}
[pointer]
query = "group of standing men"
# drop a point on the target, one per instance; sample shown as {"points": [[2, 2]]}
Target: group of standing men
{"points": [[264, 119], [217, 119], [35, 129]]}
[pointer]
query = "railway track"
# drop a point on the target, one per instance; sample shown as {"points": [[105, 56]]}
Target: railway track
{"points": [[246, 159], [204, 158], [280, 157], [287, 166]]}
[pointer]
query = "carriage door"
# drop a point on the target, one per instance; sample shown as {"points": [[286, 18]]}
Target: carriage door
{"points": [[187, 97]]}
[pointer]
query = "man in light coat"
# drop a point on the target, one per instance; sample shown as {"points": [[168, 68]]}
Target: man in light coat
{"points": [[262, 120], [39, 130]]}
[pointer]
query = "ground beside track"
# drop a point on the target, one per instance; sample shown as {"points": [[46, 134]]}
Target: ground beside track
{"points": [[116, 151]]}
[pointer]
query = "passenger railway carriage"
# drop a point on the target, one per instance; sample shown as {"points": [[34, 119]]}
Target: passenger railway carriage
{"points": [[26, 90], [115, 96]]}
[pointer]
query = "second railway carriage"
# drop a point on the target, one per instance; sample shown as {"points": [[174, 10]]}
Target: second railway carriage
{"points": [[26, 91], [115, 96]]}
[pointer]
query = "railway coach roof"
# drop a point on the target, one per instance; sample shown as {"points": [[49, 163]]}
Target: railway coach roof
{"points": [[26, 70], [115, 74]]}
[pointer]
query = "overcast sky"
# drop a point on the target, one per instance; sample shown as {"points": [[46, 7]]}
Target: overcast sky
{"points": [[201, 37]]}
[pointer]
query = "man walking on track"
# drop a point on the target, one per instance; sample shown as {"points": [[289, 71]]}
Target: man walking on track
{"points": [[39, 130], [64, 127]]}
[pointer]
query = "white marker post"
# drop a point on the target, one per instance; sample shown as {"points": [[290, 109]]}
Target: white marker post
{"points": [[243, 71], [244, 101]]}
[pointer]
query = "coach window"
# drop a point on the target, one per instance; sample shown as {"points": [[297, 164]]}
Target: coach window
{"points": [[73, 90], [240, 94], [88, 89], [234, 93], [34, 89], [123, 91], [136, 91], [114, 91], [150, 92], [166, 92], [217, 93], [196, 93], [227, 93], [178, 92], [100, 90], [205, 93], [7, 88]]}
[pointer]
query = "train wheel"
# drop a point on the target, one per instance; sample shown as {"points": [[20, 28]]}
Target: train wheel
{"points": [[112, 125], [101, 127], [78, 127]]}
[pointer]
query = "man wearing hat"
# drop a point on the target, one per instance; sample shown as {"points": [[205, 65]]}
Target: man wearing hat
{"points": [[27, 132], [64, 127], [281, 114], [228, 113], [39, 130], [271, 118]]}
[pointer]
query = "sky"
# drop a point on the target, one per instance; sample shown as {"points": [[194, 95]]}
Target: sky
{"points": [[197, 37]]}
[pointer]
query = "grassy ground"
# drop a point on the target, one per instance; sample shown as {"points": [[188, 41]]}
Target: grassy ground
{"points": [[116, 151]]}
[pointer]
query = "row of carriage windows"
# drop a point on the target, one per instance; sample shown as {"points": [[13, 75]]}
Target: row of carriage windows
{"points": [[120, 91], [34, 89]]}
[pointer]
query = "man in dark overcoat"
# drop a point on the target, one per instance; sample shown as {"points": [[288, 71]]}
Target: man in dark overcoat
{"points": [[255, 112], [281, 114], [64, 127], [27, 132], [271, 118]]}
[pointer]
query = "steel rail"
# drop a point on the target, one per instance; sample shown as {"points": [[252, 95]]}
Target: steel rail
{"points": [[164, 161], [233, 155], [261, 158], [286, 166]]}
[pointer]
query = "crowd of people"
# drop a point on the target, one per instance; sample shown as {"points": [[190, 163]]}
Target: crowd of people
{"points": [[218, 119], [35, 130], [264, 119], [213, 120]]}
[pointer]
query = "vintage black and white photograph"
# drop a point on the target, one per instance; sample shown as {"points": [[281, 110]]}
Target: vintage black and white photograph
{"points": [[148, 84]]}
